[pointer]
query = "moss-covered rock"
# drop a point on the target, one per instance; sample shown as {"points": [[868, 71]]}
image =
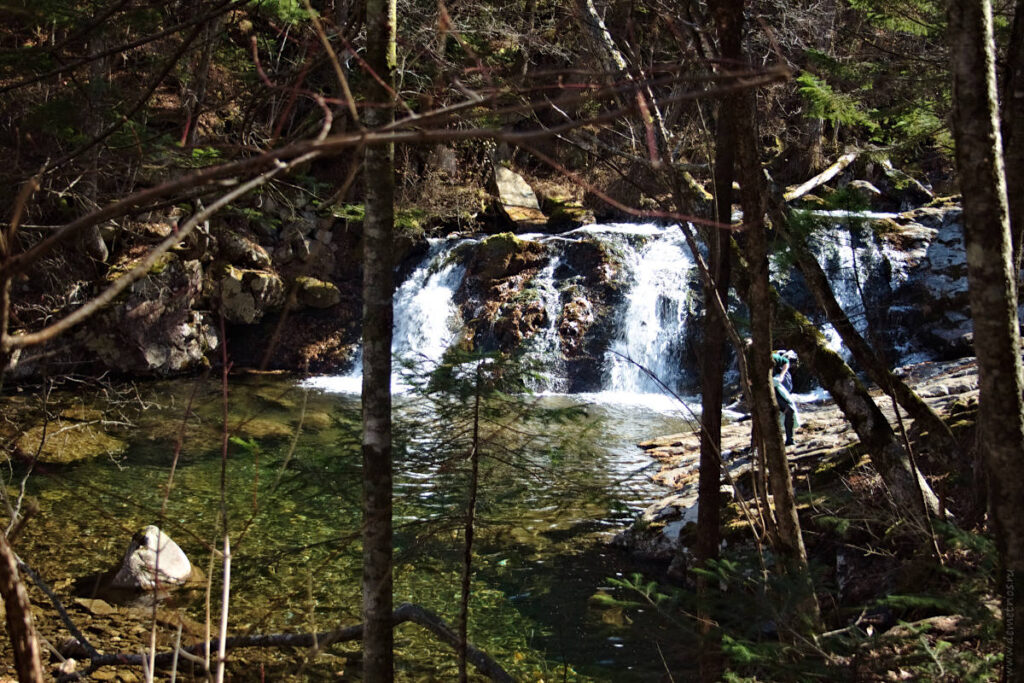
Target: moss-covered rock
{"points": [[504, 255], [260, 428], [247, 295], [63, 442], [316, 293]]}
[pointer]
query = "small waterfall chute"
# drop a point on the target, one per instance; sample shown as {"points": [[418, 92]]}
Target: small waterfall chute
{"points": [[426, 317], [653, 322]]}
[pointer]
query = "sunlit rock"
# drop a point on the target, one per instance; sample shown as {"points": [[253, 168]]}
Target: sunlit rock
{"points": [[152, 561]]}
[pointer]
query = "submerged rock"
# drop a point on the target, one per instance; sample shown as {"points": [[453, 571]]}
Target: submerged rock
{"points": [[63, 442]]}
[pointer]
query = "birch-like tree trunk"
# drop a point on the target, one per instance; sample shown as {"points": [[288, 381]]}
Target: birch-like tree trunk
{"points": [[378, 226], [993, 298]]}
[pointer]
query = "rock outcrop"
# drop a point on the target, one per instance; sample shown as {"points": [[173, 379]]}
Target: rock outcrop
{"points": [[159, 326]]}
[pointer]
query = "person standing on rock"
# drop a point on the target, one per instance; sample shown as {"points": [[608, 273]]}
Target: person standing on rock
{"points": [[782, 380]]}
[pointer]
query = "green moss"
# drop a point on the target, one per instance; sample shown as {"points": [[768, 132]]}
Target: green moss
{"points": [[410, 221], [349, 212], [263, 428], [68, 442], [885, 226]]}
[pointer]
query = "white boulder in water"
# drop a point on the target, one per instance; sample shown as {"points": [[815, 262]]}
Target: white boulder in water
{"points": [[152, 561]]}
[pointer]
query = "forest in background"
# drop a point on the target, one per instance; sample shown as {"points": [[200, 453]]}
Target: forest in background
{"points": [[134, 128]]}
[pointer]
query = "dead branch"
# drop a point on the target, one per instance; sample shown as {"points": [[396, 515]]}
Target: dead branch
{"points": [[19, 617], [822, 178], [117, 49], [407, 612]]}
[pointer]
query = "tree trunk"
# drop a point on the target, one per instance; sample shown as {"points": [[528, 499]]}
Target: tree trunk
{"points": [[1013, 132], [20, 628], [92, 240], [729, 26], [948, 448], [378, 226], [765, 411], [993, 299], [197, 98]]}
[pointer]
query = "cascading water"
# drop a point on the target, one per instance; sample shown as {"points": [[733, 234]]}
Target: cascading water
{"points": [[426, 318], [546, 344], [646, 352], [862, 271], [645, 327]]}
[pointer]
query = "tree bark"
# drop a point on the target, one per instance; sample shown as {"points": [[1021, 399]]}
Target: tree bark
{"points": [[948, 449], [20, 628], [791, 549], [378, 226], [1013, 132], [993, 298], [92, 240], [197, 96], [728, 15]]}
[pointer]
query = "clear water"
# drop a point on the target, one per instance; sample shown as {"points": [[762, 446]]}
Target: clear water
{"points": [[294, 516]]}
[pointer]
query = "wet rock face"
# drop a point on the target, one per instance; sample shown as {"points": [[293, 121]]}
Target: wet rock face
{"points": [[495, 295], [155, 328], [906, 287], [942, 281], [591, 275]]}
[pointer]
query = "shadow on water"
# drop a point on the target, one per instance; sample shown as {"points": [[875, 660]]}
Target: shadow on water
{"points": [[294, 511]]}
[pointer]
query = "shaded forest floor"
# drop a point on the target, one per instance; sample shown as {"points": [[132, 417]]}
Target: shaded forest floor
{"points": [[892, 608]]}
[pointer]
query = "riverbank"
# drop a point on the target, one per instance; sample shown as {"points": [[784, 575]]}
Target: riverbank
{"points": [[872, 567], [823, 436]]}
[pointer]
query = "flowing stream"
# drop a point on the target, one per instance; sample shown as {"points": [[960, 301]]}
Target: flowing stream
{"points": [[292, 489]]}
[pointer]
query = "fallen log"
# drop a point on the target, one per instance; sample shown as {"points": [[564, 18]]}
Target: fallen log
{"points": [[822, 178]]}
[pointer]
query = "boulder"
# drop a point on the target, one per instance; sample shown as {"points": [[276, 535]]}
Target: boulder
{"points": [[316, 293], [238, 249], [516, 198], [152, 561], [247, 295], [154, 328]]}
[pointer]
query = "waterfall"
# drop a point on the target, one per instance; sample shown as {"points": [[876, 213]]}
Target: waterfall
{"points": [[426, 318], [639, 329], [650, 336], [546, 344]]}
